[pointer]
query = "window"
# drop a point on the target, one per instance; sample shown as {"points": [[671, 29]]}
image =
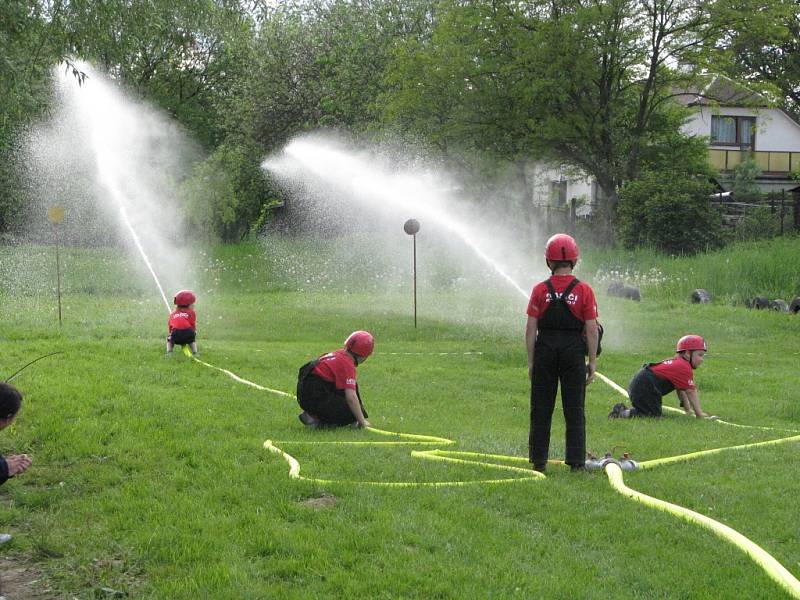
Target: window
{"points": [[733, 131], [558, 192]]}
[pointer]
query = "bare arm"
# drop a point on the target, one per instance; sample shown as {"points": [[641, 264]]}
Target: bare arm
{"points": [[684, 401], [591, 342], [692, 400], [530, 341], [354, 404]]}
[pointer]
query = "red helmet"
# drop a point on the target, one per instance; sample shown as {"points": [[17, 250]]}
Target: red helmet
{"points": [[691, 342], [185, 298], [360, 343], [561, 247]]}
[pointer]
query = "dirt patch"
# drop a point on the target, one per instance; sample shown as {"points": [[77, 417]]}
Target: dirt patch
{"points": [[319, 502], [20, 580]]}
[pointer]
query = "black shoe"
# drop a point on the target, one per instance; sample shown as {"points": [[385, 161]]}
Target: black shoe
{"points": [[616, 412], [308, 420], [539, 468]]}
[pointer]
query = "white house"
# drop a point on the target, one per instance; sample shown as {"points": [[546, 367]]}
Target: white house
{"points": [[739, 124]]}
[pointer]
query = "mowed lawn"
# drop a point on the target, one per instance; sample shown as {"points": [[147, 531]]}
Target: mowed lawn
{"points": [[150, 478]]}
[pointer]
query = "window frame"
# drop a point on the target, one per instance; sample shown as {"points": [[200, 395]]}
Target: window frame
{"points": [[739, 121]]}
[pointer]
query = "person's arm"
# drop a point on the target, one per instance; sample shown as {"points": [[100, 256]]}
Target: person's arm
{"points": [[694, 402], [685, 405], [530, 342], [591, 343], [354, 404]]}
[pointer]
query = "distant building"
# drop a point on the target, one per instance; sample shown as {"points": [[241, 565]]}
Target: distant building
{"points": [[739, 124]]}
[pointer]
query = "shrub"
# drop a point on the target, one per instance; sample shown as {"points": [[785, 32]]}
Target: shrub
{"points": [[669, 213]]}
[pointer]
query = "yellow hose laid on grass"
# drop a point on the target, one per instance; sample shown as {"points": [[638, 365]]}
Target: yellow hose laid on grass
{"points": [[234, 376], [772, 567], [525, 474], [649, 464]]}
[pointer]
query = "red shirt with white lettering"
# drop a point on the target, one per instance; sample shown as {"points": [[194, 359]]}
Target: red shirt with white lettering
{"points": [[339, 368], [182, 318], [676, 370], [581, 300]]}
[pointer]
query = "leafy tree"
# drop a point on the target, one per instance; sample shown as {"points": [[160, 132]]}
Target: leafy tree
{"points": [[763, 48], [226, 193], [586, 82], [29, 48], [667, 207]]}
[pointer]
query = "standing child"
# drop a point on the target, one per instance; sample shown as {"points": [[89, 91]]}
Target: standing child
{"points": [[182, 322], [655, 380], [326, 387], [560, 311]]}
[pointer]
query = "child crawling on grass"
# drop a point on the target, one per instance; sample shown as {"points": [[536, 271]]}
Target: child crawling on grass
{"points": [[182, 322], [326, 387], [656, 380]]}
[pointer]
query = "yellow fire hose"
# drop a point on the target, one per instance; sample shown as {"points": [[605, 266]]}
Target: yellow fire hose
{"points": [[771, 566]]}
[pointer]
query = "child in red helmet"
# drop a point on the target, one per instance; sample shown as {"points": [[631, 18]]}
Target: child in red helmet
{"points": [[182, 322], [561, 330], [326, 387], [655, 380]]}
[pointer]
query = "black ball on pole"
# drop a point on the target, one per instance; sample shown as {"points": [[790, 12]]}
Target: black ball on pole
{"points": [[411, 227]]}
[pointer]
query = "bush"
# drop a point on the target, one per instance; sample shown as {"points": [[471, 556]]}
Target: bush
{"points": [[227, 194], [669, 213]]}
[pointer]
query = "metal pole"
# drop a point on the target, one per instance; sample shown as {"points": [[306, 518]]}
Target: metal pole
{"points": [[783, 196], [58, 279], [415, 280], [411, 227]]}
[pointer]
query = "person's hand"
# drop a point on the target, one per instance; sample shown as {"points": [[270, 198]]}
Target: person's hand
{"points": [[365, 423], [591, 368], [702, 415], [17, 464]]}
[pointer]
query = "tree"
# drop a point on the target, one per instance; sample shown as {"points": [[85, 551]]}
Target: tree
{"points": [[29, 48], [667, 206], [585, 82], [764, 48]]}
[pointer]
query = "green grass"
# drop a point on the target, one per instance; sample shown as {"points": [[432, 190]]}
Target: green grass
{"points": [[149, 475]]}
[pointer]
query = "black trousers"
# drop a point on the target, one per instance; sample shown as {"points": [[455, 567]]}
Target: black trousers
{"points": [[558, 358], [644, 394], [321, 399], [181, 337]]}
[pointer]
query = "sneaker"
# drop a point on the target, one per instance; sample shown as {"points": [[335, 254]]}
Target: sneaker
{"points": [[308, 420], [5, 537], [616, 412]]}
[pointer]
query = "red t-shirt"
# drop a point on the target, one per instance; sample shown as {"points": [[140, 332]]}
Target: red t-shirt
{"points": [[581, 300], [676, 370], [338, 367], [182, 318]]}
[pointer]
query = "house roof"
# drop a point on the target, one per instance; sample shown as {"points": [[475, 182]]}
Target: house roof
{"points": [[715, 90]]}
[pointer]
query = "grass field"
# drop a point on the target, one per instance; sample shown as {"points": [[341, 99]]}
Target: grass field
{"points": [[150, 479]]}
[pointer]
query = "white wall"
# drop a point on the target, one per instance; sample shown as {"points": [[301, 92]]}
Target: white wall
{"points": [[774, 130]]}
